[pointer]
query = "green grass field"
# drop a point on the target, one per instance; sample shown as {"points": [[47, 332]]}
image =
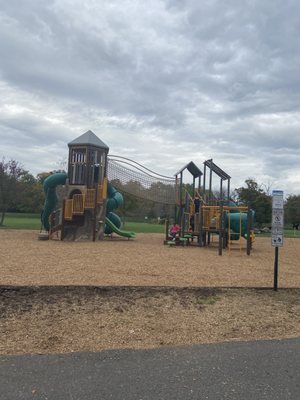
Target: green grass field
{"points": [[32, 221], [21, 221]]}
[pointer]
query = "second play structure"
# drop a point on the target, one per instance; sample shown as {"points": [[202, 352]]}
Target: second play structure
{"points": [[202, 213]]}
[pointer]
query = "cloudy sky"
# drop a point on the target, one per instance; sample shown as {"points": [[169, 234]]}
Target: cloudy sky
{"points": [[162, 82]]}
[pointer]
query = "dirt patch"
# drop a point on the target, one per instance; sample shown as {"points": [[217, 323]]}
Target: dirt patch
{"points": [[144, 261], [69, 319]]}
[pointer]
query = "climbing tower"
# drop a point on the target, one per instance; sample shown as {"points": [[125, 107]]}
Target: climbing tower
{"points": [[77, 201]]}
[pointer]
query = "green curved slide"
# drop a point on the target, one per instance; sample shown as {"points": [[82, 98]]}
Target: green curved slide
{"points": [[50, 185], [117, 230], [113, 221]]}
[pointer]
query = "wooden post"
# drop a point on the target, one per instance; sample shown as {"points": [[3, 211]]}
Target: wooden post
{"points": [[167, 229], [62, 234], [210, 182], [221, 229], [181, 200], [221, 189], [200, 228], [228, 190], [249, 231], [95, 212], [204, 182]]}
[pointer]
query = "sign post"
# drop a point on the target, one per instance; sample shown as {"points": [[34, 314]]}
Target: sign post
{"points": [[277, 229]]}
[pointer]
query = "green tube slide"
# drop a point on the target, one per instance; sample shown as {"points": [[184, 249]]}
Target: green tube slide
{"points": [[50, 185], [238, 223], [113, 221], [115, 198]]}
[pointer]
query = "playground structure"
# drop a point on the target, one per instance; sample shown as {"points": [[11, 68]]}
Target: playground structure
{"points": [[202, 213], [80, 205]]}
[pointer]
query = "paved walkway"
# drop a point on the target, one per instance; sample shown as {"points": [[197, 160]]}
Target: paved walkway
{"points": [[262, 370]]}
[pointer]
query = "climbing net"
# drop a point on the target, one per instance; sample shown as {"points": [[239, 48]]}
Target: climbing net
{"points": [[131, 177]]}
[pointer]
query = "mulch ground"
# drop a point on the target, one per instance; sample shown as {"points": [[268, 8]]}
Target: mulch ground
{"points": [[144, 261], [60, 297]]}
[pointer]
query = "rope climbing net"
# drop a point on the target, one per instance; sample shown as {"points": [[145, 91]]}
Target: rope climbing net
{"points": [[131, 177]]}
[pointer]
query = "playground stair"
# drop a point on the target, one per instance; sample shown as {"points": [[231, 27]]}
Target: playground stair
{"points": [[81, 202]]}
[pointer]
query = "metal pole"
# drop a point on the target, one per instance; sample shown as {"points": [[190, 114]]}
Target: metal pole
{"points": [[276, 270]]}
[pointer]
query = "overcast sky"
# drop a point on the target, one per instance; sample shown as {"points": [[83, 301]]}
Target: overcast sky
{"points": [[162, 82]]}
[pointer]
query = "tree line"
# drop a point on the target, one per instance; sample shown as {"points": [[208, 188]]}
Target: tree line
{"points": [[22, 192]]}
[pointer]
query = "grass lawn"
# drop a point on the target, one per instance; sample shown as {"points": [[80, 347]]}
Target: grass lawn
{"points": [[22, 221], [143, 227], [32, 221], [288, 233], [291, 233]]}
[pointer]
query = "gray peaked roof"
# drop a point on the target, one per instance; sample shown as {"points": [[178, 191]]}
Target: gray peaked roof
{"points": [[192, 168], [89, 139]]}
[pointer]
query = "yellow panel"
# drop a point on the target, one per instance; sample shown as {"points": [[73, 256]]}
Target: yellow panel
{"points": [[104, 189], [211, 217], [90, 198], [78, 206], [68, 212]]}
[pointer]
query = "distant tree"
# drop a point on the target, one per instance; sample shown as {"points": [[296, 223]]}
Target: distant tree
{"points": [[189, 188], [32, 198], [42, 176], [11, 173], [292, 209], [254, 196]]}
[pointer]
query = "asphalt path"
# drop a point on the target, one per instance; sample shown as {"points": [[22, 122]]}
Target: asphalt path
{"points": [[259, 370]]}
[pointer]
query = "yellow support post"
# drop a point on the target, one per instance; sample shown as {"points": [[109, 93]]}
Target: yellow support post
{"points": [[102, 191]]}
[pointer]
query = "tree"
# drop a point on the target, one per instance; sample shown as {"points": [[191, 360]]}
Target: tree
{"points": [[32, 198], [292, 209], [254, 196], [11, 173], [42, 176]]}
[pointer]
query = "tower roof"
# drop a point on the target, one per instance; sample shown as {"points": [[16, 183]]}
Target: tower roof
{"points": [[217, 170], [89, 139], [192, 168]]}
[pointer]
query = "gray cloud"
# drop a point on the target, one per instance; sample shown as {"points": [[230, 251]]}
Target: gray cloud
{"points": [[162, 82]]}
